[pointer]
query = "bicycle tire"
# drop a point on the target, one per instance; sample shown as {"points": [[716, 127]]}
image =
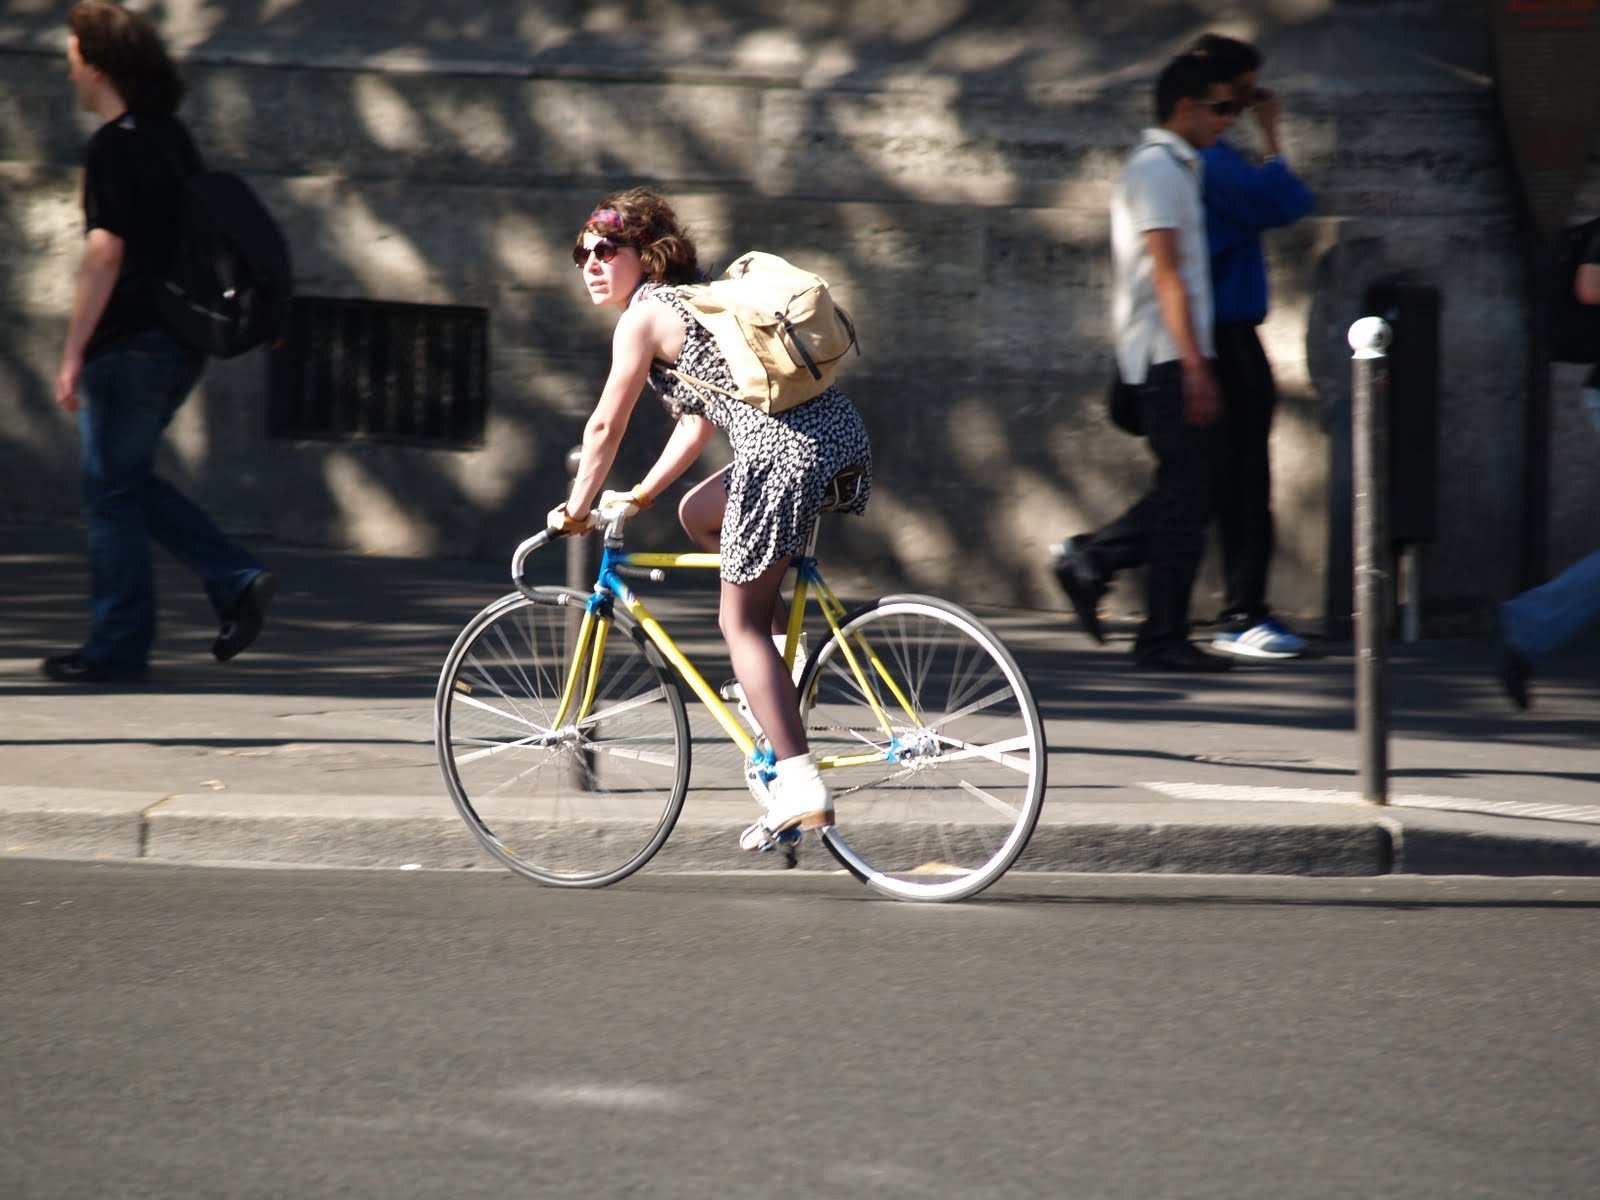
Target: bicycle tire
{"points": [[580, 806], [941, 804]]}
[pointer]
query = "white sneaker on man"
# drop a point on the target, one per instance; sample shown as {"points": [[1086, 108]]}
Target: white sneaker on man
{"points": [[1268, 638]]}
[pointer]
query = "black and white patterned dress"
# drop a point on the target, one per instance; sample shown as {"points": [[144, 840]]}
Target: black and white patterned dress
{"points": [[781, 464]]}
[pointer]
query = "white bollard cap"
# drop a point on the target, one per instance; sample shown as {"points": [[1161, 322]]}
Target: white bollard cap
{"points": [[1369, 337]]}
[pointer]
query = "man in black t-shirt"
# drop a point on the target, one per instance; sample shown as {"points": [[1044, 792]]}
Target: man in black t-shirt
{"points": [[121, 373]]}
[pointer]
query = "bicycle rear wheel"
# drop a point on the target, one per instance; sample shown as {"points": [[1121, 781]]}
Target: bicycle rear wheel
{"points": [[932, 744], [579, 804]]}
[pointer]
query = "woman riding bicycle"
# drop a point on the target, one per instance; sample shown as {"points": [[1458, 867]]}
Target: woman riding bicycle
{"points": [[756, 512]]}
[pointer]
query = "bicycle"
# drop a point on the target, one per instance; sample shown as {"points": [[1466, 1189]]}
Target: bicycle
{"points": [[564, 739]]}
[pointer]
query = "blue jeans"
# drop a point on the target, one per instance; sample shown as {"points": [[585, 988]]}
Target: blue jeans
{"points": [[129, 395], [1549, 616]]}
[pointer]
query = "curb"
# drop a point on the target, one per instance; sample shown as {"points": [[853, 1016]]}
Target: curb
{"points": [[347, 831]]}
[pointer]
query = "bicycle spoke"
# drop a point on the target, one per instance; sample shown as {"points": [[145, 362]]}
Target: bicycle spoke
{"points": [[993, 801], [652, 696], [994, 752], [510, 717]]}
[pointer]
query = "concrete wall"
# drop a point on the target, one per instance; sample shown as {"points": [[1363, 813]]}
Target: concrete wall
{"points": [[947, 164]]}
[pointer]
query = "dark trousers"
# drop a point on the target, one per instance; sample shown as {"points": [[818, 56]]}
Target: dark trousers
{"points": [[1244, 499], [1165, 531], [129, 396]]}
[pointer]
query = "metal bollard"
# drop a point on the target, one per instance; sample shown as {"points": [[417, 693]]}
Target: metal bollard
{"points": [[580, 576], [580, 572], [1369, 339]]}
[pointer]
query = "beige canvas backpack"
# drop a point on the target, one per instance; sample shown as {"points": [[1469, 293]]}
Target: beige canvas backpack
{"points": [[778, 327]]}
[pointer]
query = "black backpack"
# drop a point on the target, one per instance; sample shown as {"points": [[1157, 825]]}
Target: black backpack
{"points": [[227, 287], [1574, 325]]}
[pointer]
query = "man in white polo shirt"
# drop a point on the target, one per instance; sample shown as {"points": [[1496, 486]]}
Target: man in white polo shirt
{"points": [[1161, 314]]}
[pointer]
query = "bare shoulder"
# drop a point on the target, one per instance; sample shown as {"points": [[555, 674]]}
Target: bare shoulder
{"points": [[653, 326]]}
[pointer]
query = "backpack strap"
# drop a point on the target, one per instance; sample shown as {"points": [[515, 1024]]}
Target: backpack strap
{"points": [[694, 383], [170, 155]]}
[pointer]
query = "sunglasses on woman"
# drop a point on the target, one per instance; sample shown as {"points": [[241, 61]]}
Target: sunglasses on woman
{"points": [[605, 250]]}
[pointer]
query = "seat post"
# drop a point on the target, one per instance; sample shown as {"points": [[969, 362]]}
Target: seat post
{"points": [[811, 538]]}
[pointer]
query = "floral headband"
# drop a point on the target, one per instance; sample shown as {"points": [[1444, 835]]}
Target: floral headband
{"points": [[605, 218]]}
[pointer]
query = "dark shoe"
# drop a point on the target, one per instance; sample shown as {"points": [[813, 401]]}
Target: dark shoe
{"points": [[1514, 672], [1083, 586], [243, 624], [1181, 656], [75, 668]]}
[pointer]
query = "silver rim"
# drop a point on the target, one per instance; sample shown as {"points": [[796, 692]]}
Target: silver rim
{"points": [[577, 803]]}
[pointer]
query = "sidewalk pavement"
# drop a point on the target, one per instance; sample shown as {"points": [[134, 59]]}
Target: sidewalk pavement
{"points": [[315, 745]]}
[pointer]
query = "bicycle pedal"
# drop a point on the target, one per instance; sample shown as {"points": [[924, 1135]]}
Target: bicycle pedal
{"points": [[788, 844], [757, 838]]}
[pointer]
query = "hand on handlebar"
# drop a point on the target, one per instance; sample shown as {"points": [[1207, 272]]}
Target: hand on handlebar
{"points": [[622, 504], [560, 523]]}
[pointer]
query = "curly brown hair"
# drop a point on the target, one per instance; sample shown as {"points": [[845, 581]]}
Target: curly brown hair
{"points": [[640, 218], [125, 45]]}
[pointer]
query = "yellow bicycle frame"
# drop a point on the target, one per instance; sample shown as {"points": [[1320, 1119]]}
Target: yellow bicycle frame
{"points": [[588, 650]]}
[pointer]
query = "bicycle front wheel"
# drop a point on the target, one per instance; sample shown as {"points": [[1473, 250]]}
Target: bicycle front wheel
{"points": [[576, 796], [930, 739]]}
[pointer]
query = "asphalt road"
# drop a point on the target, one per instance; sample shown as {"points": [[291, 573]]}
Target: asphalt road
{"points": [[176, 1032]]}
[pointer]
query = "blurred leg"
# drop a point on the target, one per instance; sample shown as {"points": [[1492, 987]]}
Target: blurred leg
{"points": [[1549, 616], [1178, 508], [120, 423], [1244, 502]]}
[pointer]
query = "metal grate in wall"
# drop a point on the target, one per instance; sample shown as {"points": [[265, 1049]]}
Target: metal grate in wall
{"points": [[379, 371]]}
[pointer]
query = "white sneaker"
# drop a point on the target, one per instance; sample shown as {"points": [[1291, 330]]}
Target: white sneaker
{"points": [[1268, 639], [803, 804]]}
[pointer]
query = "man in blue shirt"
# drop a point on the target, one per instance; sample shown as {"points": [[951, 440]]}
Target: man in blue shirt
{"points": [[1243, 198]]}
